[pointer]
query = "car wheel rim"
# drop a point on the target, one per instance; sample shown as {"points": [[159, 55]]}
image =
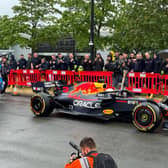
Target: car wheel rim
{"points": [[144, 117]]}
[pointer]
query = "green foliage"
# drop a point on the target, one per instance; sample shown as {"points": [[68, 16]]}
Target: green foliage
{"points": [[76, 20], [34, 13], [10, 33], [142, 25], [129, 25], [50, 34]]}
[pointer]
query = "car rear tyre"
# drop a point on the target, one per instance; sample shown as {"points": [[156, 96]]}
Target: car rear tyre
{"points": [[42, 104], [147, 117]]}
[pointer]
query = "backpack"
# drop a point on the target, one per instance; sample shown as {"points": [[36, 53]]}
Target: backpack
{"points": [[103, 161]]}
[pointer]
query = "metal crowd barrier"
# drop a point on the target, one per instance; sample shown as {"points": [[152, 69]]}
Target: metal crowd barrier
{"points": [[26, 77], [53, 75], [164, 85], [23, 77], [148, 83], [144, 83]]}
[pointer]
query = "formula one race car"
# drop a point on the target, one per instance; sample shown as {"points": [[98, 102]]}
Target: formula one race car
{"points": [[96, 100]]}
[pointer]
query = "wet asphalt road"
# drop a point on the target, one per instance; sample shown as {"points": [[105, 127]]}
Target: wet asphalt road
{"points": [[30, 142]]}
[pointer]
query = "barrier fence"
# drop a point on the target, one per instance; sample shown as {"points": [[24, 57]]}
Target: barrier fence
{"points": [[26, 77], [164, 85], [144, 83], [148, 83], [53, 75]]}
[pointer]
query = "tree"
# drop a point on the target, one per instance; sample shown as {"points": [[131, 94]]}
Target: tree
{"points": [[75, 20], [50, 34], [9, 33], [31, 15], [142, 25]]}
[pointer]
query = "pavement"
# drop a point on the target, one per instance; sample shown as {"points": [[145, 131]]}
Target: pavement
{"points": [[27, 141], [20, 91]]}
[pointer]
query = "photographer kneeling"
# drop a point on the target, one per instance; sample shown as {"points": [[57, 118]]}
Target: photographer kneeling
{"points": [[90, 158]]}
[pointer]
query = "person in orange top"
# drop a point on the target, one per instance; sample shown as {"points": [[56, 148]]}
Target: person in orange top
{"points": [[88, 148]]}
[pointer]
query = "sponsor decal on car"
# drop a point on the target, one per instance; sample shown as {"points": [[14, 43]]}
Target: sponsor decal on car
{"points": [[108, 111], [88, 88], [132, 102], [86, 104]]}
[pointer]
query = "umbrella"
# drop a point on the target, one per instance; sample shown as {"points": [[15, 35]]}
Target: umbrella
{"points": [[163, 53]]}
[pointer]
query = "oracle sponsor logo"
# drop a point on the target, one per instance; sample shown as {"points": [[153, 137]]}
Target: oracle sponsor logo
{"points": [[86, 104]]}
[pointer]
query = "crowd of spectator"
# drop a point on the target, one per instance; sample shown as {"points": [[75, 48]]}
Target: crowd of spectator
{"points": [[135, 63], [58, 62], [35, 62], [116, 63]]}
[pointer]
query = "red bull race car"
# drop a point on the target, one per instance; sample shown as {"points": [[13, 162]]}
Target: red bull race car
{"points": [[96, 100]]}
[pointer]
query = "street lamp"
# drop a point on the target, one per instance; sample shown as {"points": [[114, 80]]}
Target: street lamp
{"points": [[91, 43]]}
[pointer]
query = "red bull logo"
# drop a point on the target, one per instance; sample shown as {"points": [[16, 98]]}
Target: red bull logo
{"points": [[88, 88]]}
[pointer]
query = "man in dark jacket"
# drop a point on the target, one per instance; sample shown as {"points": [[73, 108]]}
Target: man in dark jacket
{"points": [[62, 63], [139, 66], [53, 63], [98, 63], [87, 63], [29, 61], [131, 62], [148, 66], [72, 63], [12, 63], [4, 66], [35, 64], [165, 67], [44, 65], [22, 63], [157, 63], [4, 70], [139, 63], [109, 63], [118, 70]]}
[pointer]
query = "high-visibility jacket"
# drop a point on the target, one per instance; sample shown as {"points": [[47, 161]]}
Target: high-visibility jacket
{"points": [[85, 162]]}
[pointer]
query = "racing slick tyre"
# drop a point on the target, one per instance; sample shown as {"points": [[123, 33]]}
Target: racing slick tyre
{"points": [[147, 117], [42, 104]]}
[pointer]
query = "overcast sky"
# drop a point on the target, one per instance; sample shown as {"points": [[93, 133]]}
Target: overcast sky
{"points": [[6, 6]]}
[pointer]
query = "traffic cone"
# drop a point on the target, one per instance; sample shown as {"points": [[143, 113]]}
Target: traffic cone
{"points": [[15, 91], [151, 96]]}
